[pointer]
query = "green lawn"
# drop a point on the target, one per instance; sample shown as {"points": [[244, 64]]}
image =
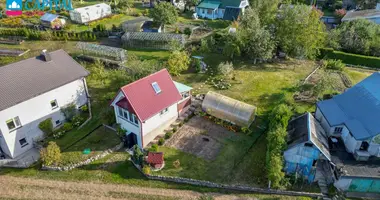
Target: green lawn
{"points": [[263, 86], [356, 75], [98, 141], [116, 20]]}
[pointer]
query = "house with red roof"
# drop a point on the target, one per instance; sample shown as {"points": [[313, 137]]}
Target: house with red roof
{"points": [[146, 107]]}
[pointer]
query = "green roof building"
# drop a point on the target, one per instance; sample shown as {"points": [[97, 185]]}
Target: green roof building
{"points": [[222, 9]]}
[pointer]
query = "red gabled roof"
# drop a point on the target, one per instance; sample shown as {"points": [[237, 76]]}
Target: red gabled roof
{"points": [[123, 103], [144, 100], [155, 158]]}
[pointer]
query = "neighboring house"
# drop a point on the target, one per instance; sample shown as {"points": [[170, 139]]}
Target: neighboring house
{"points": [[307, 143], [52, 21], [371, 14], [223, 9], [33, 90], [354, 117], [90, 13], [343, 136], [155, 159], [146, 107]]}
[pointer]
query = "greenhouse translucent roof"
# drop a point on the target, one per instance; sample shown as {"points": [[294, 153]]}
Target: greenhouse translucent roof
{"points": [[152, 36], [229, 109]]}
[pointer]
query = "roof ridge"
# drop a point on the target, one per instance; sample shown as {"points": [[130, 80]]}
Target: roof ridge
{"points": [[128, 85]]}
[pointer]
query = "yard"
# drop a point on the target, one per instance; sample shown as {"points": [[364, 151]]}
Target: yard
{"points": [[97, 141]]}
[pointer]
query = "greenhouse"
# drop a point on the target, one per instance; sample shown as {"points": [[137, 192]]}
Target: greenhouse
{"points": [[229, 109], [151, 40], [110, 53]]}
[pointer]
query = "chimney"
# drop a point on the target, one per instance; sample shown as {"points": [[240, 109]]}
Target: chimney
{"points": [[378, 6], [45, 55]]}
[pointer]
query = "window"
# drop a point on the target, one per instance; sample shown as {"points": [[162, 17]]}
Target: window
{"points": [[135, 119], [209, 11], [164, 111], [54, 104], [338, 129], [23, 142], [58, 122], [120, 112], [13, 123], [156, 87]]}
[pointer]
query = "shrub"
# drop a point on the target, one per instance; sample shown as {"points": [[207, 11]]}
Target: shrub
{"points": [[180, 124], [168, 134], [58, 134], [77, 120], [176, 164], [146, 169], [84, 108], [197, 65], [187, 31], [161, 141], [51, 155], [46, 126], [138, 155], [153, 148], [333, 64], [174, 129], [108, 116], [349, 58], [67, 126], [69, 111], [225, 68]]}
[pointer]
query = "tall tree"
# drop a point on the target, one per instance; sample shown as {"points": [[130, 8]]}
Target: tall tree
{"points": [[299, 31], [178, 62], [164, 13], [266, 9], [258, 41]]}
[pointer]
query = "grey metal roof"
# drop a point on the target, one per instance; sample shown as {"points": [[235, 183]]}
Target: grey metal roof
{"points": [[49, 17], [28, 78], [307, 128], [358, 108]]}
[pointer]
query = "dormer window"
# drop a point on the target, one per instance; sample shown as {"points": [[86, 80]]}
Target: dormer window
{"points": [[156, 87]]}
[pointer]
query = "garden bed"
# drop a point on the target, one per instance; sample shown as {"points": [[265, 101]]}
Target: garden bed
{"points": [[200, 137]]}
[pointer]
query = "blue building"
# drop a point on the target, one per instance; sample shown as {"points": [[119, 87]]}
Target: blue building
{"points": [[307, 145], [221, 9]]}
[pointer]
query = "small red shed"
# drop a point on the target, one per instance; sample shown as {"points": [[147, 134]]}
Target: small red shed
{"points": [[155, 159]]}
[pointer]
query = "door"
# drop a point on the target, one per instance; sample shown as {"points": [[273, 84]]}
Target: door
{"points": [[132, 140]]}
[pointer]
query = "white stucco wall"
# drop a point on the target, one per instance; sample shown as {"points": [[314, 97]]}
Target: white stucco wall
{"points": [[35, 110], [158, 119], [319, 116]]}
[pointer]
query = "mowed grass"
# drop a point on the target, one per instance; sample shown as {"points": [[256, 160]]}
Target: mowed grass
{"points": [[263, 86], [357, 75]]}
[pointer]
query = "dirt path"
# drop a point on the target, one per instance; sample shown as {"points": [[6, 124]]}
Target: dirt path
{"points": [[25, 188]]}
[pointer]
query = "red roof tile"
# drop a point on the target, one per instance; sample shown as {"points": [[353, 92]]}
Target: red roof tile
{"points": [[155, 158], [144, 100]]}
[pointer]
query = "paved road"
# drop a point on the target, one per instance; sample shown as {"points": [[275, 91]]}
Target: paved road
{"points": [[26, 188]]}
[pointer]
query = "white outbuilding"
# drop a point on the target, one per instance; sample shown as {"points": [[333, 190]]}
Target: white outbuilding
{"points": [[90, 13]]}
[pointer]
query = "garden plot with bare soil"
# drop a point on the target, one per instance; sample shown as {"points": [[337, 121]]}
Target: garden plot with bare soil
{"points": [[200, 137]]}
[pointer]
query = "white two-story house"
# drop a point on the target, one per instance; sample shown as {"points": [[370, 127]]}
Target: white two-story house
{"points": [[146, 107], [33, 90]]}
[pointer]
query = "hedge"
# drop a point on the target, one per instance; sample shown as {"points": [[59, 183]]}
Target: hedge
{"points": [[47, 35], [349, 58]]}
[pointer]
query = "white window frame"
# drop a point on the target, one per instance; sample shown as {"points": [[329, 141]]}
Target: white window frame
{"points": [[56, 104], [14, 121], [338, 129]]}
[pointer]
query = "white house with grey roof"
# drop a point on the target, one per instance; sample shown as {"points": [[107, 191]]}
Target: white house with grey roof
{"points": [[33, 90]]}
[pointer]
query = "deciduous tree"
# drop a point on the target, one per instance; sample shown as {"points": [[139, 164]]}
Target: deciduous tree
{"points": [[178, 62], [299, 31], [164, 13]]}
